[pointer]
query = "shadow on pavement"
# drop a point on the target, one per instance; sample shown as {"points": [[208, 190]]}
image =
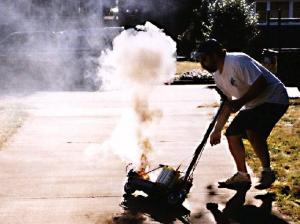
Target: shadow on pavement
{"points": [[140, 206], [236, 211]]}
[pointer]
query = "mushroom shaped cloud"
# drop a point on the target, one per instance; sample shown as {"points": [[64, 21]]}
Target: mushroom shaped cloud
{"points": [[141, 57]]}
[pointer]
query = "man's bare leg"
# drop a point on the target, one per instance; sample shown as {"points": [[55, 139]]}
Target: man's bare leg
{"points": [[260, 147], [237, 150]]}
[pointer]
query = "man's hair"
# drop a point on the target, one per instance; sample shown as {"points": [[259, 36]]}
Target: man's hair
{"points": [[211, 46]]}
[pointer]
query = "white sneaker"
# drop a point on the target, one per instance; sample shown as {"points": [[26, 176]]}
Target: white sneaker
{"points": [[238, 180]]}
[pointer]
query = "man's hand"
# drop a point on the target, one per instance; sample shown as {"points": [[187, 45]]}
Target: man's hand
{"points": [[215, 137], [234, 105]]}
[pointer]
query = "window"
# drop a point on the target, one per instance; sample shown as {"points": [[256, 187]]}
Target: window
{"points": [[296, 12], [283, 6]]}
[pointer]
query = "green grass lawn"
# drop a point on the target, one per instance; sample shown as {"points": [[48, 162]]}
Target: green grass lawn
{"points": [[284, 147]]}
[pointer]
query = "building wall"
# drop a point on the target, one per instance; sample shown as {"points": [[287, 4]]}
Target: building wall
{"points": [[289, 8]]}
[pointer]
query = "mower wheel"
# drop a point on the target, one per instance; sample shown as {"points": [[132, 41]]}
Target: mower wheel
{"points": [[128, 188], [176, 198]]}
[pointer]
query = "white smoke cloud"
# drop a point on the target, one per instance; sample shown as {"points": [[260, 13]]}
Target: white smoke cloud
{"points": [[142, 58], [139, 60], [51, 44]]}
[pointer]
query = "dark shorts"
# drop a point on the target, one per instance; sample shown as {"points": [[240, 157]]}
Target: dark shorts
{"points": [[260, 119]]}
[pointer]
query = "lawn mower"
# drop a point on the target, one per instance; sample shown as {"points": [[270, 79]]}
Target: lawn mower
{"points": [[171, 186]]}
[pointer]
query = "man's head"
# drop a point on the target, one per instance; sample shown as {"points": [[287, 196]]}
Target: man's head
{"points": [[208, 54]]}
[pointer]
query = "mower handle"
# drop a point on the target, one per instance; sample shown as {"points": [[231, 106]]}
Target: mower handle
{"points": [[200, 148]]}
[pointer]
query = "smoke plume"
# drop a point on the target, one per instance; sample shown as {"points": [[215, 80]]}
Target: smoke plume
{"points": [[141, 58], [51, 44]]}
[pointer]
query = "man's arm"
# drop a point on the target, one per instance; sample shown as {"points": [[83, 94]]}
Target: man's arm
{"points": [[215, 137], [234, 105], [255, 90]]}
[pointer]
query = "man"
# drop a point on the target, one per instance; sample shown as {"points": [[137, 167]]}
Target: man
{"points": [[263, 99]]}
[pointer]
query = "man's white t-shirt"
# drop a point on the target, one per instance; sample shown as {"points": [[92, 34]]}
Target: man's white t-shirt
{"points": [[240, 71]]}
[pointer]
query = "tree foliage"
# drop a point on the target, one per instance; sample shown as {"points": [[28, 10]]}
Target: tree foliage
{"points": [[199, 27], [233, 23]]}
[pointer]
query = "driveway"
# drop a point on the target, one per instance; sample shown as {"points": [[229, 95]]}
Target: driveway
{"points": [[47, 177]]}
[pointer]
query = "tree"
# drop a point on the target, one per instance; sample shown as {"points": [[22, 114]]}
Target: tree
{"points": [[233, 23], [199, 27]]}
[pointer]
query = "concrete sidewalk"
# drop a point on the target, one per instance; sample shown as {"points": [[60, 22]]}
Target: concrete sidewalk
{"points": [[46, 176]]}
